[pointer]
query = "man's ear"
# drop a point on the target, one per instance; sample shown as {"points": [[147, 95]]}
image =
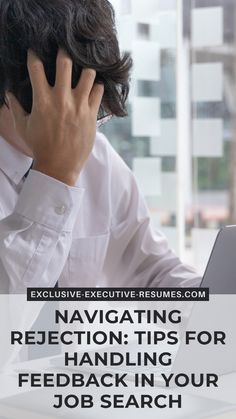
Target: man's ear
{"points": [[4, 107], [6, 102], [3, 104], [17, 111]]}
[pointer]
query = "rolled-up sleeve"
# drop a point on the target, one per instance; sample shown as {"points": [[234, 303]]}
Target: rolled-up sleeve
{"points": [[36, 238]]}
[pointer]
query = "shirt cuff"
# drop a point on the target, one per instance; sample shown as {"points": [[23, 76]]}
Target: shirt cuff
{"points": [[49, 202]]}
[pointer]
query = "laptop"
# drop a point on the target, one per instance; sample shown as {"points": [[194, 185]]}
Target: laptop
{"points": [[220, 278], [220, 273]]}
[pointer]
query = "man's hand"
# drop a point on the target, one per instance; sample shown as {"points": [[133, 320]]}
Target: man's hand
{"points": [[61, 128]]}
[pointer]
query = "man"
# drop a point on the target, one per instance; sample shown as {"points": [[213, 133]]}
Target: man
{"points": [[78, 218]]}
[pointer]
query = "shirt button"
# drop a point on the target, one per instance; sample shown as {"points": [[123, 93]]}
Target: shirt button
{"points": [[60, 210]]}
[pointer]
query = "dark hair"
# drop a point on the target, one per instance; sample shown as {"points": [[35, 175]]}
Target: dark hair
{"points": [[83, 28]]}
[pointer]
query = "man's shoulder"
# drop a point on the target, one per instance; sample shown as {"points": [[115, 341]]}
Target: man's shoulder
{"points": [[104, 168], [102, 146], [104, 153]]}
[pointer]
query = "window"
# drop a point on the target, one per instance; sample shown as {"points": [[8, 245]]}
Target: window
{"points": [[180, 135]]}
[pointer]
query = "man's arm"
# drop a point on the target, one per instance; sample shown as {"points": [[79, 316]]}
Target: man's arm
{"points": [[36, 238], [60, 131], [61, 128], [138, 255]]}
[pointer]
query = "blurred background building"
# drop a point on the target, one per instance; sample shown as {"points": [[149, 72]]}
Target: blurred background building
{"points": [[180, 135]]}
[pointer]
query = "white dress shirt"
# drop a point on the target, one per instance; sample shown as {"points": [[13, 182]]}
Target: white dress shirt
{"points": [[97, 233]]}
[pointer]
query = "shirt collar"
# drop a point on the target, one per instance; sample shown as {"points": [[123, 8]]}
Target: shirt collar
{"points": [[12, 162]]}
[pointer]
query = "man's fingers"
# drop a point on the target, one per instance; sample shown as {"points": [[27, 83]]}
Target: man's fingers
{"points": [[85, 84], [37, 76], [64, 72], [18, 112], [96, 96]]}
